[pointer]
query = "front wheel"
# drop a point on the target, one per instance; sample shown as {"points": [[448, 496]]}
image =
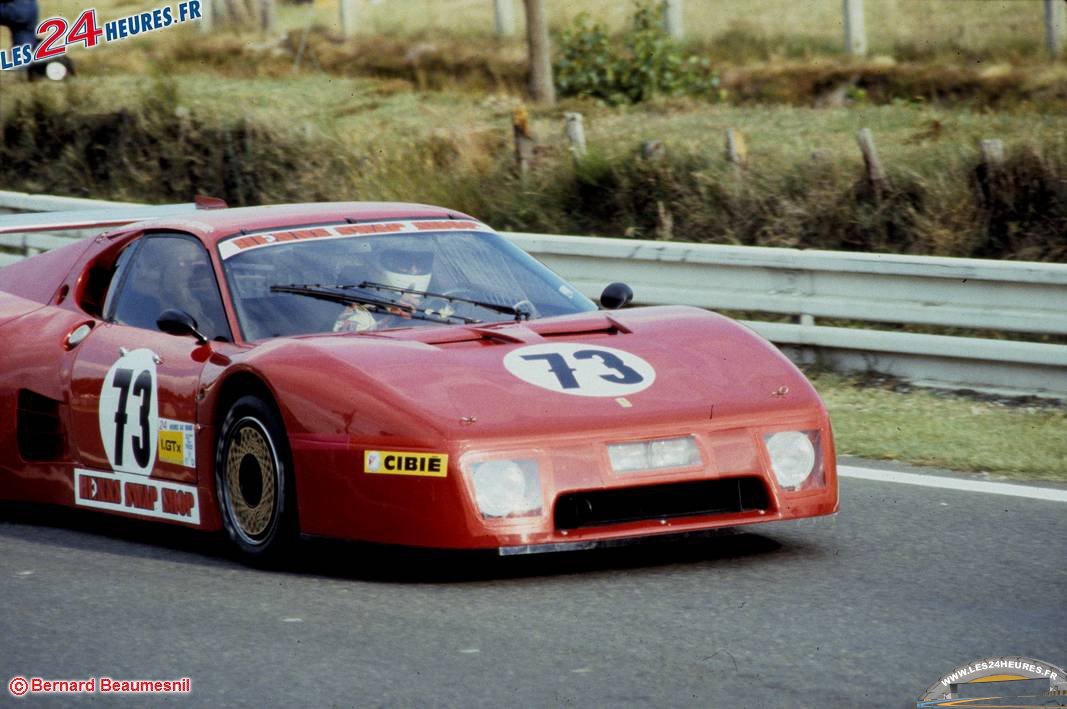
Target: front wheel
{"points": [[254, 482]]}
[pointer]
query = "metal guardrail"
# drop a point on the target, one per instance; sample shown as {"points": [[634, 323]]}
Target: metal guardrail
{"points": [[1005, 297], [886, 288]]}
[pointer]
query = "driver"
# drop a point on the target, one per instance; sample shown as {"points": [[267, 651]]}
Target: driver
{"points": [[410, 270]]}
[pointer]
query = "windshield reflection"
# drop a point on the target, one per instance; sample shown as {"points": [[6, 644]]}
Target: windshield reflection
{"points": [[384, 281]]}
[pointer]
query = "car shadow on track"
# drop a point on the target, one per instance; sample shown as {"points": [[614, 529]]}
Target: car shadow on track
{"points": [[404, 565], [82, 530], [87, 531]]}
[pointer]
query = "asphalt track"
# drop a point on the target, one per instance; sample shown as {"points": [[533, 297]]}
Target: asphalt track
{"points": [[867, 608]]}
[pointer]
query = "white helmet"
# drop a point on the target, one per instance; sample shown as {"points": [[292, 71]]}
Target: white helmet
{"points": [[407, 269]]}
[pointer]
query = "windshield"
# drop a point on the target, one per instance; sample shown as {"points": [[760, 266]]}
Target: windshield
{"points": [[374, 282]]}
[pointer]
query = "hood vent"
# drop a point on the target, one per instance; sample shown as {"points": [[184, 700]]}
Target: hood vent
{"points": [[524, 333], [460, 335], [606, 326]]}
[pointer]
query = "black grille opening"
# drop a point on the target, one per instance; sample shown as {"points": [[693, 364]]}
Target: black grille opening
{"points": [[704, 497], [40, 433]]}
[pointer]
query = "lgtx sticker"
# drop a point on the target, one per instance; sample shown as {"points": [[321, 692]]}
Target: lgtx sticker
{"points": [[129, 413], [581, 370]]}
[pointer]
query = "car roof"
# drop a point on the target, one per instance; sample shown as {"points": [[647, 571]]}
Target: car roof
{"points": [[213, 225]]}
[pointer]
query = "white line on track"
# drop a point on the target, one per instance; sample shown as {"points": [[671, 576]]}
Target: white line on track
{"points": [[891, 476]]}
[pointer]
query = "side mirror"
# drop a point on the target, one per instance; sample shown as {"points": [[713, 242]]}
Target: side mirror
{"points": [[615, 296], [179, 322]]}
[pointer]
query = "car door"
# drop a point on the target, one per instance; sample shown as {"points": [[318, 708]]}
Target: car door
{"points": [[134, 389]]}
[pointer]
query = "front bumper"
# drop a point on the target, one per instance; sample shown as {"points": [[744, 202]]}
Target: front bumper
{"points": [[585, 503]]}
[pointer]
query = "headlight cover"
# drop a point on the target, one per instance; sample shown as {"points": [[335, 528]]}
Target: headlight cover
{"points": [[507, 488], [654, 455], [794, 456]]}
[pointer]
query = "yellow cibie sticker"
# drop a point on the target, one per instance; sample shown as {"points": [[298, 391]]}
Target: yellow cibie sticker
{"points": [[172, 447], [434, 465]]}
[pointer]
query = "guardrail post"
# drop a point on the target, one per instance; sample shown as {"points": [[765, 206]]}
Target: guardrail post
{"points": [[1055, 12], [207, 18], [349, 17], [672, 19], [504, 16], [855, 30]]}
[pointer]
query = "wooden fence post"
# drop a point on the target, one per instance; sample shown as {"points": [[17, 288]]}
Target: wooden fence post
{"points": [[993, 154], [672, 19], [349, 17], [875, 172], [653, 150], [990, 171], [736, 149], [524, 142], [1055, 11], [504, 15], [575, 132], [855, 30]]}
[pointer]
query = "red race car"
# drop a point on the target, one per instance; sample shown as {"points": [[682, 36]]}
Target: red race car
{"points": [[390, 373]]}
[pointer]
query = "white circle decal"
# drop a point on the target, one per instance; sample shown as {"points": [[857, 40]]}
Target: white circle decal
{"points": [[581, 370], [129, 413]]}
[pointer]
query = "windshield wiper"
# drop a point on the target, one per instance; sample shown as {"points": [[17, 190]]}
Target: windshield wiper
{"points": [[344, 294], [333, 293], [518, 313]]}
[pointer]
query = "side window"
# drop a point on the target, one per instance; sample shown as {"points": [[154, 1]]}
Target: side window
{"points": [[122, 264], [168, 272]]}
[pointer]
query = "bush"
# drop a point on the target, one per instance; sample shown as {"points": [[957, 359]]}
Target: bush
{"points": [[645, 62], [158, 150]]}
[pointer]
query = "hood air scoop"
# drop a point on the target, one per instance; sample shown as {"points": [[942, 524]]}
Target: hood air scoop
{"points": [[518, 333]]}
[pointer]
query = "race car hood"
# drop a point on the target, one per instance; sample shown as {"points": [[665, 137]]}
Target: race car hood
{"points": [[554, 376]]}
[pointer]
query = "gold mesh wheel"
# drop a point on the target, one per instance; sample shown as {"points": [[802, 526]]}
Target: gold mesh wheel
{"points": [[251, 470]]}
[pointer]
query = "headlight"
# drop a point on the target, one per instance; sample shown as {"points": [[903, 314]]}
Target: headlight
{"points": [[792, 455], [652, 455], [507, 488]]}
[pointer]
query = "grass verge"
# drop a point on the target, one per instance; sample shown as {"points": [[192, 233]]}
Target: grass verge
{"points": [[1006, 439]]}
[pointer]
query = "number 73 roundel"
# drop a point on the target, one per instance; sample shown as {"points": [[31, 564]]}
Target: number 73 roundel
{"points": [[129, 413], [581, 370]]}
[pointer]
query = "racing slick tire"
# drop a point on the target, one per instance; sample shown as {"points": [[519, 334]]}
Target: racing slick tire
{"points": [[253, 478]]}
